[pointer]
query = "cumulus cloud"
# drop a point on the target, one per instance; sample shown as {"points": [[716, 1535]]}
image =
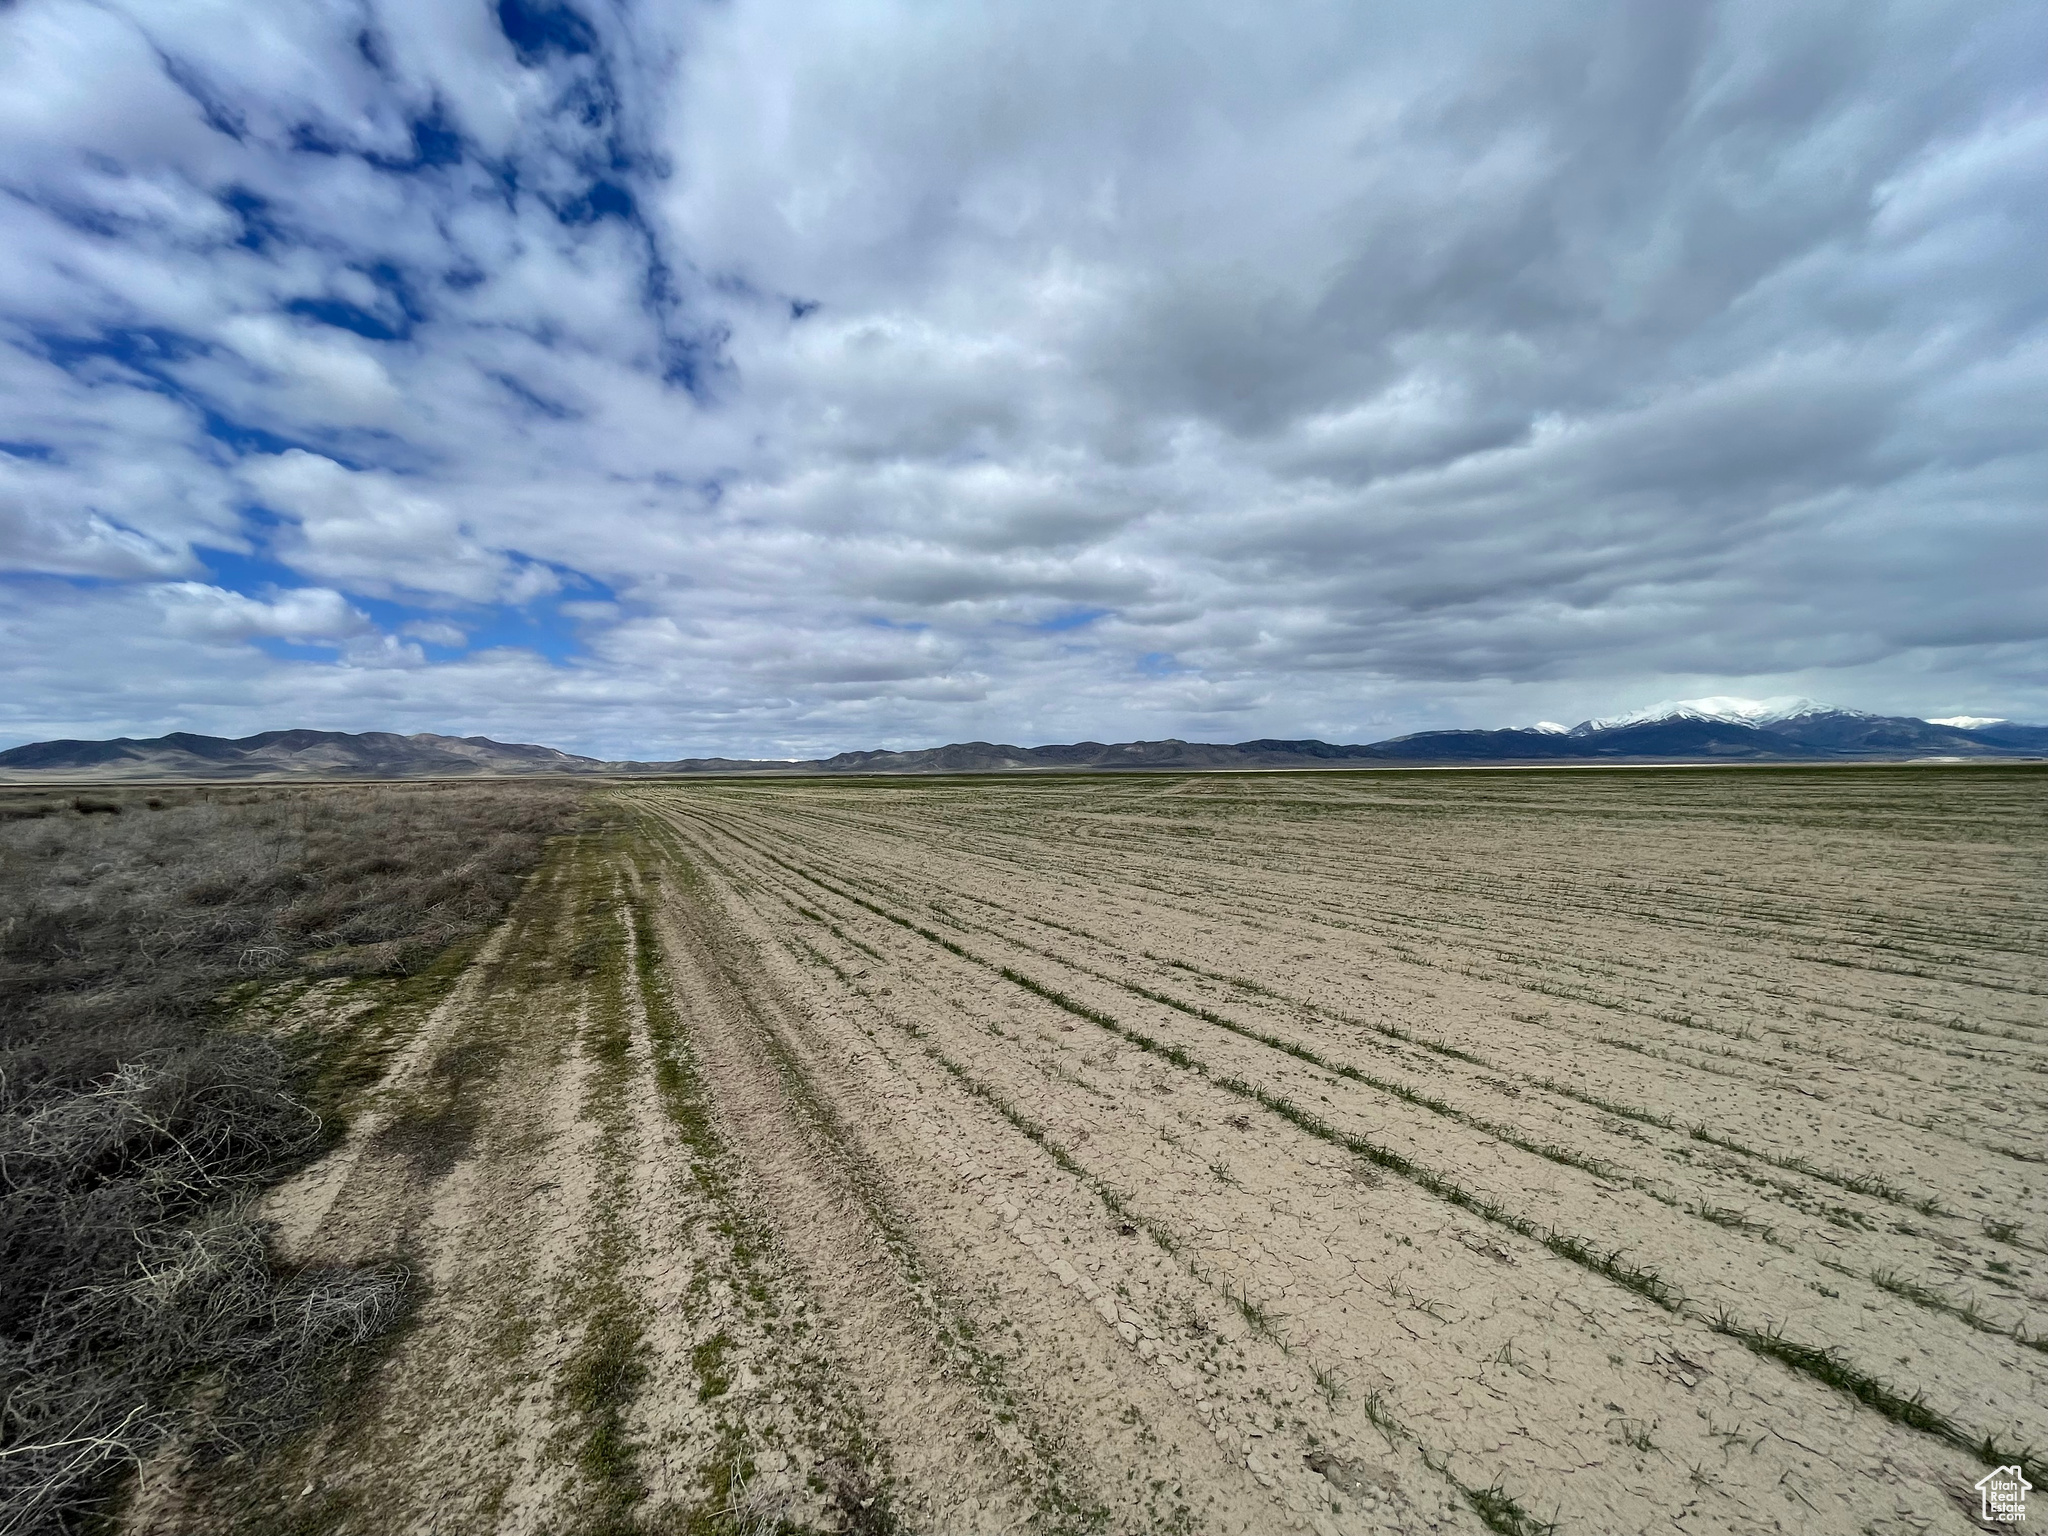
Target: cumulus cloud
{"points": [[436, 632], [777, 378], [333, 379], [198, 611], [374, 533]]}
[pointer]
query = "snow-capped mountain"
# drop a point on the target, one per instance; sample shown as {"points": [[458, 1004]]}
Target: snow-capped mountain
{"points": [[1970, 722], [1723, 708]]}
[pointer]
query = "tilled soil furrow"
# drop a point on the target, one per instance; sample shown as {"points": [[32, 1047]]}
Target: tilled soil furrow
{"points": [[1152, 1180], [1508, 1021], [1612, 1148], [1653, 1019], [1506, 905], [1121, 1302], [1694, 1255], [1651, 1023], [1799, 1137], [1803, 1137], [1274, 1008], [1509, 903]]}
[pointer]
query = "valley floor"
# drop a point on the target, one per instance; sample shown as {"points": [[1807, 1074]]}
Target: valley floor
{"points": [[1628, 1152]]}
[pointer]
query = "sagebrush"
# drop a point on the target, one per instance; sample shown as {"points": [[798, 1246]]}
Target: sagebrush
{"points": [[138, 1297]]}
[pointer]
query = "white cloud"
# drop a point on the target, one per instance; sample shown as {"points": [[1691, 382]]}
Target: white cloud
{"points": [[436, 632], [336, 382], [195, 610], [375, 651], [72, 544], [103, 479], [371, 531]]}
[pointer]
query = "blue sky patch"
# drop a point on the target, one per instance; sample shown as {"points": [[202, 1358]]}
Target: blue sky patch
{"points": [[603, 200], [144, 349], [536, 28], [435, 141], [1079, 618], [347, 317], [295, 650], [260, 229]]}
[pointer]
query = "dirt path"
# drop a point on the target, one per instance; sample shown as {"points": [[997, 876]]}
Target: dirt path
{"points": [[1336, 1153], [885, 1319]]}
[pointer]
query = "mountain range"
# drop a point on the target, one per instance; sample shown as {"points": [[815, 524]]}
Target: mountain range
{"points": [[1717, 729]]}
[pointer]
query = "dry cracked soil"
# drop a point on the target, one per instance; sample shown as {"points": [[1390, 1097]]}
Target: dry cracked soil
{"points": [[1605, 1151]]}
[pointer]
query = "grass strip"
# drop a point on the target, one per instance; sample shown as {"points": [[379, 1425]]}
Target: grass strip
{"points": [[1965, 1312], [1828, 1365], [608, 1366], [1868, 1185]]}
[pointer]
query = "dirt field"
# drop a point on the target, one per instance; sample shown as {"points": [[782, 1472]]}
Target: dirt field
{"points": [[1631, 1151]]}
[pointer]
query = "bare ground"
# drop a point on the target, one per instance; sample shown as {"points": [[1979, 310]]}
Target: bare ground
{"points": [[1340, 1153]]}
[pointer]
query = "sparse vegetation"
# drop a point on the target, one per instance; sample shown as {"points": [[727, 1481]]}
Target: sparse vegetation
{"points": [[1503, 1513], [1636, 1435], [138, 1298], [1909, 1408], [1382, 1419]]}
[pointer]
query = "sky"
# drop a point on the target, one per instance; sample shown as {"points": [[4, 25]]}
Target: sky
{"points": [[777, 377]]}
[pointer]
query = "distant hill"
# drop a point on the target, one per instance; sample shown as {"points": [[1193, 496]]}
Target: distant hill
{"points": [[1683, 731], [287, 754]]}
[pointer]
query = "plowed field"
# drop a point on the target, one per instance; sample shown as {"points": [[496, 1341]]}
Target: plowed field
{"points": [[1632, 1151]]}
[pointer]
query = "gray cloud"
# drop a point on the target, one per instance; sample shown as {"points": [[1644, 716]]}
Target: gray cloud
{"points": [[780, 378]]}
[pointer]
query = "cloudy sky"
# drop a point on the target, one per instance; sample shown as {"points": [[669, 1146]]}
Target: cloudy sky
{"points": [[776, 376]]}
